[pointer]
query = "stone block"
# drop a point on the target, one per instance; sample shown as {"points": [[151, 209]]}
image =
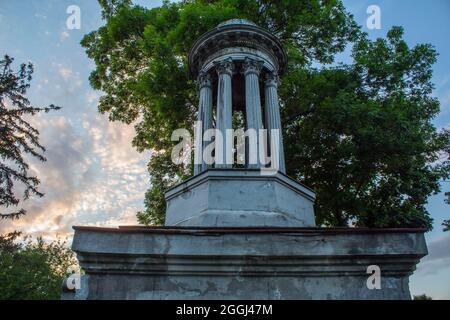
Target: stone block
{"points": [[240, 198]]}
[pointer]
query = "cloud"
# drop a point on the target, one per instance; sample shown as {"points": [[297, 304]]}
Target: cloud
{"points": [[93, 176], [445, 101], [92, 97], [67, 80], [40, 16], [439, 248], [438, 257], [65, 73], [64, 35]]}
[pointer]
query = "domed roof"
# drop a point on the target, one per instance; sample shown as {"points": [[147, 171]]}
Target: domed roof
{"points": [[236, 21], [234, 34]]}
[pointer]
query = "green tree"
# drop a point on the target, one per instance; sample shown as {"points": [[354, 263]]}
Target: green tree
{"points": [[360, 134], [33, 269], [17, 136], [422, 297]]}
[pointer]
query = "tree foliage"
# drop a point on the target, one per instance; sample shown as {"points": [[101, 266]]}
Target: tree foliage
{"points": [[33, 269], [422, 297], [17, 136], [360, 133], [446, 225]]}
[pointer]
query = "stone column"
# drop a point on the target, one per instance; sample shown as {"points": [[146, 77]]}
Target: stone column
{"points": [[204, 115], [272, 115], [224, 110], [252, 69]]}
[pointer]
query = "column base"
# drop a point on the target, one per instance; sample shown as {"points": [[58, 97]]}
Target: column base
{"points": [[240, 198]]}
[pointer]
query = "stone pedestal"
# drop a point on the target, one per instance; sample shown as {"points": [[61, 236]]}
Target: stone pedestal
{"points": [[244, 198], [244, 263]]}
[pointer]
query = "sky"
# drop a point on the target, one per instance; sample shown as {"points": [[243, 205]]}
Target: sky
{"points": [[94, 176]]}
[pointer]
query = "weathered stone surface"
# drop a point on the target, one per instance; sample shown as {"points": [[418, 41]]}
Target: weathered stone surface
{"points": [[238, 263], [240, 198]]}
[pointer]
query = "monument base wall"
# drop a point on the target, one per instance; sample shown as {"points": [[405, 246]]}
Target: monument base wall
{"points": [[244, 263]]}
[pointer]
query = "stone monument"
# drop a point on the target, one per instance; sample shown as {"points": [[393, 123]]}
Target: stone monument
{"points": [[237, 233]]}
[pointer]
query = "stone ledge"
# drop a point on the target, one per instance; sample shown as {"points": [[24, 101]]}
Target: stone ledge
{"points": [[134, 262], [237, 174], [152, 265], [271, 242], [189, 230]]}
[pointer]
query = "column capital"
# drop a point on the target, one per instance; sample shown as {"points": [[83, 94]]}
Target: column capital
{"points": [[224, 67], [204, 80], [252, 66], [272, 79]]}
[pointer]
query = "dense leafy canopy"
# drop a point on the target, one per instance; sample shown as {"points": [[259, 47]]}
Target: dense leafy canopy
{"points": [[33, 269], [363, 138], [17, 136], [360, 134]]}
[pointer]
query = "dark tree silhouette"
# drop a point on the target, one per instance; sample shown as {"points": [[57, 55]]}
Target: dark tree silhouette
{"points": [[17, 136]]}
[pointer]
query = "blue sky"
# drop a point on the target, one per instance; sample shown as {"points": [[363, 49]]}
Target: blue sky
{"points": [[94, 176]]}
